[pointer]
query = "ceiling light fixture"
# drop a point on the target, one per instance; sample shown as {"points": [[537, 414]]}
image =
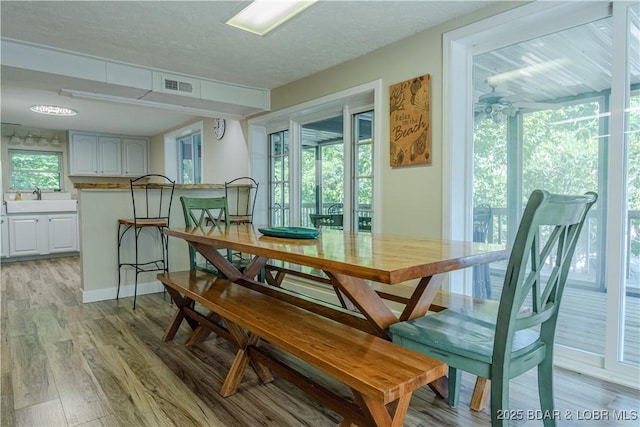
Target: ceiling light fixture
{"points": [[54, 110], [55, 140], [262, 16], [29, 140], [15, 139]]}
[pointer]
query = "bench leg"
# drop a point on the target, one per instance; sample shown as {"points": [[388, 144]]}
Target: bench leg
{"points": [[179, 316], [241, 361], [202, 331], [391, 415]]}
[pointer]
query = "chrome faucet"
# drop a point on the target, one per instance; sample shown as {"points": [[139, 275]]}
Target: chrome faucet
{"points": [[38, 193]]}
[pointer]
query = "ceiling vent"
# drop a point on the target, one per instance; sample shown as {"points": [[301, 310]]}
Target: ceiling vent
{"points": [[178, 85]]}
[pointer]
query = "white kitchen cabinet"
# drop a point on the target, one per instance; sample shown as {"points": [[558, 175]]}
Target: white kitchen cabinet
{"points": [[83, 154], [110, 156], [63, 233], [42, 234], [134, 156], [4, 229], [92, 154], [27, 235]]}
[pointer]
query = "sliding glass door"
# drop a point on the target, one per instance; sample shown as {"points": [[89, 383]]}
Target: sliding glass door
{"points": [[556, 107]]}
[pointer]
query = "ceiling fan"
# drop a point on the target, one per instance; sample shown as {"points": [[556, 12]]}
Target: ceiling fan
{"points": [[497, 107]]}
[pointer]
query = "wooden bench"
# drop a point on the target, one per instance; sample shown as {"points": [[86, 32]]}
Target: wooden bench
{"points": [[381, 375]]}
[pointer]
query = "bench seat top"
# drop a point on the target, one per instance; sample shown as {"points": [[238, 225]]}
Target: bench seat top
{"points": [[369, 364]]}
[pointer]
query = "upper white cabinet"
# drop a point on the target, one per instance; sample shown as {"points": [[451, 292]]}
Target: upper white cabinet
{"points": [[134, 156], [92, 154], [110, 156], [83, 154]]}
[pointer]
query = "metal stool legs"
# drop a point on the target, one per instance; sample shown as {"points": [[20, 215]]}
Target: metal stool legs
{"points": [[155, 265]]}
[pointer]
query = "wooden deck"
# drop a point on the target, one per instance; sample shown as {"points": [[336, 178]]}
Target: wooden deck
{"points": [[581, 323]]}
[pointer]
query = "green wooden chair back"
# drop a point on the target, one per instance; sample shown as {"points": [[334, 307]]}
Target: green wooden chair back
{"points": [[538, 267], [203, 212]]}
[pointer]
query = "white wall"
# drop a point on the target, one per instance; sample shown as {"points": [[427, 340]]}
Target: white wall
{"points": [[223, 159]]}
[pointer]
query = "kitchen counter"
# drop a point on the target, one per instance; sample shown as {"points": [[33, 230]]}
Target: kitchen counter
{"points": [[100, 205]]}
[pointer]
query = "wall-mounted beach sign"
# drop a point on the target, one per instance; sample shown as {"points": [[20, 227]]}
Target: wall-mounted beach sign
{"points": [[410, 122]]}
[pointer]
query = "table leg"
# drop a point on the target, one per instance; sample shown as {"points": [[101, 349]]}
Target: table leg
{"points": [[480, 394], [366, 300], [422, 297], [223, 265]]}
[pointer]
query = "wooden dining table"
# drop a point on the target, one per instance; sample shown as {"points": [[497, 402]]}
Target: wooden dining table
{"points": [[351, 261]]}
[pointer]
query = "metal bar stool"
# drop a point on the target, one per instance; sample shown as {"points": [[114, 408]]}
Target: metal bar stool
{"points": [[151, 210], [241, 199]]}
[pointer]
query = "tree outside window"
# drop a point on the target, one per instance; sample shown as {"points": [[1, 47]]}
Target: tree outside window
{"points": [[31, 169]]}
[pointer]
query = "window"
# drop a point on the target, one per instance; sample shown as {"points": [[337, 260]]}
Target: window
{"points": [[31, 169], [190, 159], [279, 181], [318, 159], [325, 161], [322, 169], [363, 167]]}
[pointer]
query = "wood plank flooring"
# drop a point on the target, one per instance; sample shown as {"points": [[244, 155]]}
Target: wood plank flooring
{"points": [[64, 363]]}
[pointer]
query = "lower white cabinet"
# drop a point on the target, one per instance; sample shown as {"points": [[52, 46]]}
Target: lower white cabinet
{"points": [[4, 224], [42, 234], [63, 233], [26, 235]]}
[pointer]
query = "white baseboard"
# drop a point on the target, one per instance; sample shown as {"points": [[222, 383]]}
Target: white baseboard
{"points": [[125, 291]]}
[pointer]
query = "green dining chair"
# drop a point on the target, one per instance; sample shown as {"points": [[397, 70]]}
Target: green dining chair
{"points": [[204, 212], [521, 336]]}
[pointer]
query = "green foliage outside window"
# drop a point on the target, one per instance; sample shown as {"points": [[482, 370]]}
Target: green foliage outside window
{"points": [[31, 169], [561, 150]]}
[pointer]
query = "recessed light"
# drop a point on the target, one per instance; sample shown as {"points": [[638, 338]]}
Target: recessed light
{"points": [[260, 17], [54, 110]]}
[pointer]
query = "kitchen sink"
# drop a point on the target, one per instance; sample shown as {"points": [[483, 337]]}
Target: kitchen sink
{"points": [[37, 206]]}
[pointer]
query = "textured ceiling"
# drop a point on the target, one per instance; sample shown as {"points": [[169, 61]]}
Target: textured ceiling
{"points": [[191, 38]]}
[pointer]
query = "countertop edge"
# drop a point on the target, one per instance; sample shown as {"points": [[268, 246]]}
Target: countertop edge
{"points": [[126, 186]]}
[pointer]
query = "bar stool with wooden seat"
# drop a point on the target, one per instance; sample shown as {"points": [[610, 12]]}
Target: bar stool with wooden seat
{"points": [[241, 196], [151, 196], [241, 199]]}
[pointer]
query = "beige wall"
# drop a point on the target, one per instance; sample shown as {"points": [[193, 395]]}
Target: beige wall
{"points": [[411, 196]]}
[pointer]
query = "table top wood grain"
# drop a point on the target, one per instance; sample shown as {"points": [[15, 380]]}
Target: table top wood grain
{"points": [[384, 258]]}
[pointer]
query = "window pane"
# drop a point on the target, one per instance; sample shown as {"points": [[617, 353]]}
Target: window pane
{"points": [[279, 214], [31, 169], [190, 159], [365, 159], [322, 166]]}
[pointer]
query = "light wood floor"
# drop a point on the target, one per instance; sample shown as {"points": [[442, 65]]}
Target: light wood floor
{"points": [[64, 363]]}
